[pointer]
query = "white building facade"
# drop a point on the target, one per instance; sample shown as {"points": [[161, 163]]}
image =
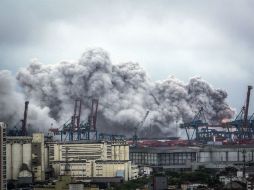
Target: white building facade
{"points": [[3, 175]]}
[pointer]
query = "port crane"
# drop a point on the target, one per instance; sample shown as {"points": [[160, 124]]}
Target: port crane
{"points": [[243, 123], [193, 127], [242, 127], [74, 129], [135, 136]]}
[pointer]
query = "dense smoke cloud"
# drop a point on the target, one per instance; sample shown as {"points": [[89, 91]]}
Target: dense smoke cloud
{"points": [[125, 94], [12, 106]]}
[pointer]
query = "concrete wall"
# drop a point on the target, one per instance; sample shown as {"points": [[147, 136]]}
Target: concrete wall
{"points": [[81, 151], [232, 154], [38, 157], [18, 152], [80, 170], [192, 157], [91, 151], [98, 169], [46, 158], [27, 156], [9, 161], [120, 152], [111, 169], [99, 159]]}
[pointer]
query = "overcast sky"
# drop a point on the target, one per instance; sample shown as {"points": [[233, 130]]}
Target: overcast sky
{"points": [[213, 39]]}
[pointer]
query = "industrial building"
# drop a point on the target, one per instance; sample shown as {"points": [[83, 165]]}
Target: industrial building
{"points": [[85, 159], [41, 158], [166, 157], [182, 158], [3, 180], [91, 158], [214, 146], [19, 151], [239, 130], [80, 153]]}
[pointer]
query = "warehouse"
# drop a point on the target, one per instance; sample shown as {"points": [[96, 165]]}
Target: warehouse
{"points": [[189, 158], [43, 158], [92, 159], [165, 157]]}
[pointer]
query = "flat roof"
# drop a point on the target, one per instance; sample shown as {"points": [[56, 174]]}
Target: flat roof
{"points": [[164, 149]]}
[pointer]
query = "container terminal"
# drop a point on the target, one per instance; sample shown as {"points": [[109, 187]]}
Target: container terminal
{"points": [[77, 156]]}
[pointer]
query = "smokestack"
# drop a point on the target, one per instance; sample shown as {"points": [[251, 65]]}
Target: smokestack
{"points": [[73, 118], [247, 107], [24, 121], [79, 114], [94, 113]]}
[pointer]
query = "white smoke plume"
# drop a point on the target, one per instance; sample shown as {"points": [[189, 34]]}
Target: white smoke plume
{"points": [[125, 93], [12, 106]]}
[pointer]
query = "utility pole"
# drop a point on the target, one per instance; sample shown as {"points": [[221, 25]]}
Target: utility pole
{"points": [[244, 155]]}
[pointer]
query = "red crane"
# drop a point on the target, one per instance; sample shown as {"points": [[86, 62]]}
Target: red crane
{"points": [[93, 114]]}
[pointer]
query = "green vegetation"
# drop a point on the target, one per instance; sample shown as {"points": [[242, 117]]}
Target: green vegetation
{"points": [[133, 184], [202, 176]]}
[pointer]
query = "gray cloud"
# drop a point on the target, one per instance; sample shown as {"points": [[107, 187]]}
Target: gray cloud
{"points": [[211, 39], [125, 94], [12, 106], [27, 21]]}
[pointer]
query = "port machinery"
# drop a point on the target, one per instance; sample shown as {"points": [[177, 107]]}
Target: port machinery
{"points": [[75, 129], [135, 136], [199, 129], [21, 131], [241, 129]]}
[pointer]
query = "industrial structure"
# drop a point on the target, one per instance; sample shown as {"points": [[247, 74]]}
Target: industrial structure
{"points": [[189, 158], [74, 129], [3, 180], [239, 130], [18, 153], [135, 136], [36, 159], [20, 130], [90, 158], [77, 151]]}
